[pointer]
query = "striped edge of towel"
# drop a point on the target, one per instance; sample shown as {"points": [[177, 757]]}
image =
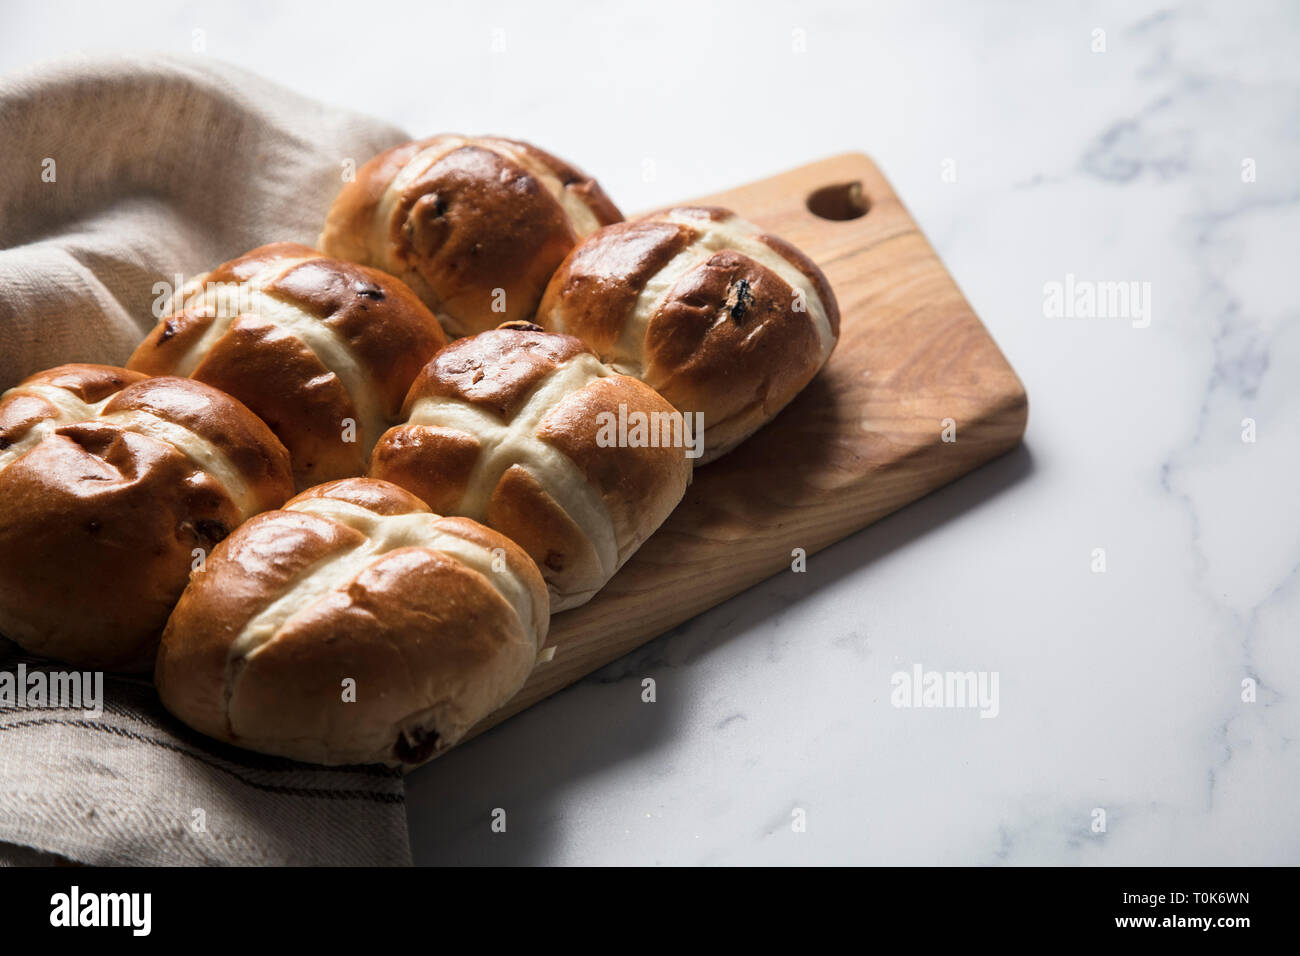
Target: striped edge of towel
{"points": [[133, 786]]}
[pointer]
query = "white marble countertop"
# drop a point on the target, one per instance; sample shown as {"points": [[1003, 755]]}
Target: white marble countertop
{"points": [[1120, 691]]}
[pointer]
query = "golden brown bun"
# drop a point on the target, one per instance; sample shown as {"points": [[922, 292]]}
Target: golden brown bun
{"points": [[309, 343], [109, 483], [435, 621], [697, 303], [474, 224], [506, 428]]}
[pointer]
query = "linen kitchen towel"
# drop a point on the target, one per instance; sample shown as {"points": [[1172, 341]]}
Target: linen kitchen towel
{"points": [[119, 175]]}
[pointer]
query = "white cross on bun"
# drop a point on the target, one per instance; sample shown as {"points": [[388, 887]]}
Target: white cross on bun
{"points": [[323, 350], [474, 224], [702, 306], [512, 427], [353, 626]]}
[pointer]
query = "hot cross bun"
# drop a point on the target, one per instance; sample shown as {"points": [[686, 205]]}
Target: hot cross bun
{"points": [[113, 486], [474, 224], [529, 433], [324, 351], [703, 307], [353, 626]]}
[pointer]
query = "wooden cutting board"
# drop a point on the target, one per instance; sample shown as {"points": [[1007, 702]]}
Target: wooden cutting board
{"points": [[863, 439]]}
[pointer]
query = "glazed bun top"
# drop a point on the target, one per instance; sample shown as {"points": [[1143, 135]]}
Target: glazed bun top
{"points": [[701, 305], [515, 428], [435, 622], [92, 406], [323, 350], [111, 484], [475, 225]]}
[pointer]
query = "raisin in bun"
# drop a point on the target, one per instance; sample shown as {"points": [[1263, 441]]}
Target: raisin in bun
{"points": [[716, 316], [521, 430], [112, 486], [474, 224], [353, 626], [324, 351]]}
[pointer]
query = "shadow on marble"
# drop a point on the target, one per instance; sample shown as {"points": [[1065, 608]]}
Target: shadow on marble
{"points": [[532, 766]]}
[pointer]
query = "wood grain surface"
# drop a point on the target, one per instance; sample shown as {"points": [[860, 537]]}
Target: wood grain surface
{"points": [[862, 440]]}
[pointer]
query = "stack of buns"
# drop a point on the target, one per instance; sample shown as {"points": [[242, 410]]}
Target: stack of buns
{"points": [[450, 497]]}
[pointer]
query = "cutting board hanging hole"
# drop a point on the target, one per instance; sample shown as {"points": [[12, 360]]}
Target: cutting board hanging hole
{"points": [[840, 202]]}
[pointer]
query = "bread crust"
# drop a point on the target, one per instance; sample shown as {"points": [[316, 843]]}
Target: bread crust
{"points": [[110, 484], [506, 427], [716, 316], [475, 225], [322, 350], [435, 621]]}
